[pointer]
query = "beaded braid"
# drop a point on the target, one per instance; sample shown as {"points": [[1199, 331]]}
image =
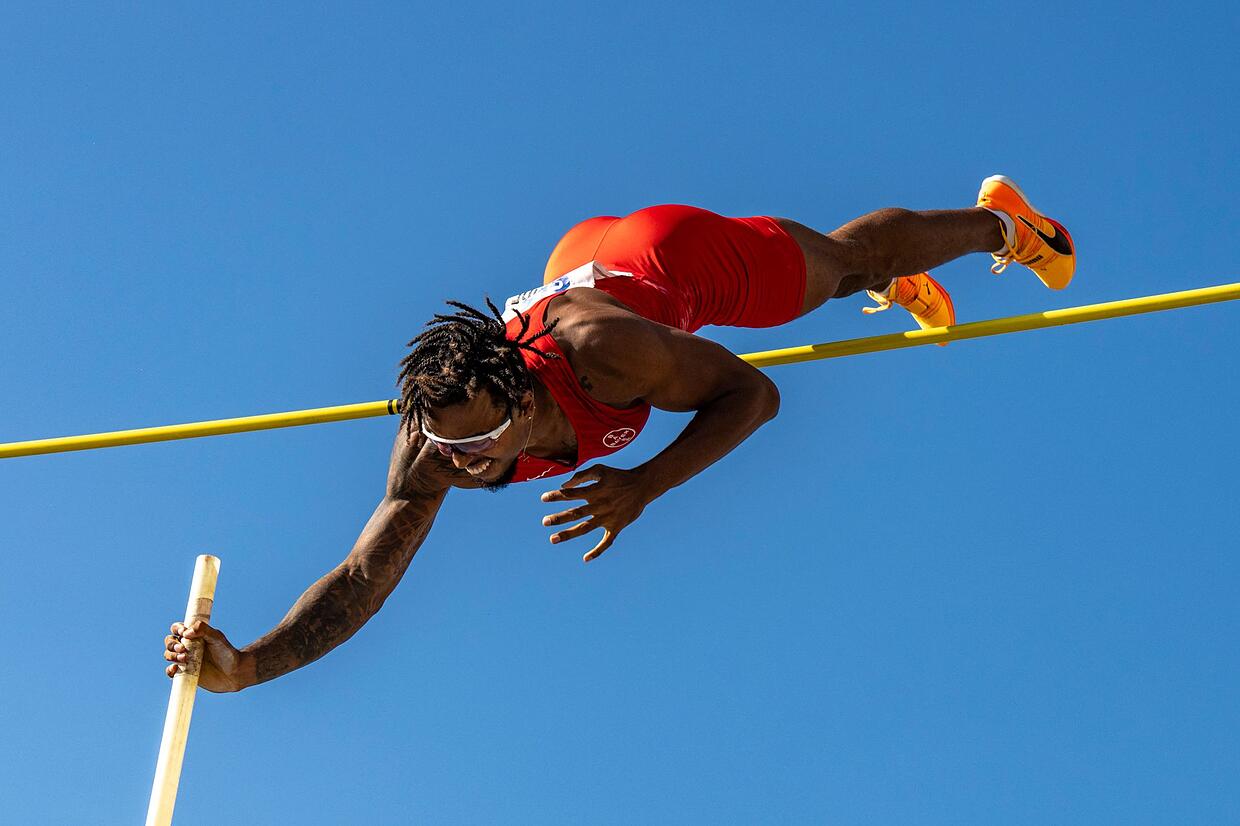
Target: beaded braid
{"points": [[460, 354]]}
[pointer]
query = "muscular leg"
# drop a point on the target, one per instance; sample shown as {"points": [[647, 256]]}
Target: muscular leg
{"points": [[867, 253]]}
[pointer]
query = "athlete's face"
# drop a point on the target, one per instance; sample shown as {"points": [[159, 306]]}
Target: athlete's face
{"points": [[494, 464]]}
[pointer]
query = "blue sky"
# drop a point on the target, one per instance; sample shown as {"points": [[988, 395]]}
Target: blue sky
{"points": [[993, 582]]}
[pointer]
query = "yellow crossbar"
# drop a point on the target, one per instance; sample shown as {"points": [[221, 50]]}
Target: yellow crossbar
{"points": [[768, 358], [994, 326]]}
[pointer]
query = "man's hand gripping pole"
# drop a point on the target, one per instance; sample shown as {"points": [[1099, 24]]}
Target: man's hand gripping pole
{"points": [[181, 701]]}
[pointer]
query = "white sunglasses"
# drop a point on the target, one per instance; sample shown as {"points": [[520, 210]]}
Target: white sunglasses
{"points": [[473, 444]]}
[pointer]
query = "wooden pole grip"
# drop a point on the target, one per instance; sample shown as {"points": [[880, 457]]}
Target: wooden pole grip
{"points": [[181, 700]]}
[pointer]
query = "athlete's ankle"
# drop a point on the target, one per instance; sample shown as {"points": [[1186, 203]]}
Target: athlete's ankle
{"points": [[884, 287], [1006, 227]]}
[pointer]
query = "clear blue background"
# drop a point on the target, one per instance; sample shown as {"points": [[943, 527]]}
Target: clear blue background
{"points": [[989, 583]]}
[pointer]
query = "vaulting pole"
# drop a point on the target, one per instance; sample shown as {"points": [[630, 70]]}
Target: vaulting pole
{"points": [[181, 700], [769, 358]]}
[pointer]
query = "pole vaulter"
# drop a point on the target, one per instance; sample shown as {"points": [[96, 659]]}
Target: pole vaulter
{"points": [[567, 374]]}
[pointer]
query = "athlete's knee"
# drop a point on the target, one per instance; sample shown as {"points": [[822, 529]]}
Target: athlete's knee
{"points": [[769, 396]]}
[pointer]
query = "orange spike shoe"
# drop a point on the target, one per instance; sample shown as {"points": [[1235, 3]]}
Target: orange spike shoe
{"points": [[922, 296], [1030, 238]]}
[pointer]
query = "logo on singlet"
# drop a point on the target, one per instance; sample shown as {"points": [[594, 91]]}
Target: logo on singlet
{"points": [[617, 438], [557, 286]]}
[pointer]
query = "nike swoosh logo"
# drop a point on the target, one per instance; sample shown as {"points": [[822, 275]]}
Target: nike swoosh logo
{"points": [[1057, 242]]}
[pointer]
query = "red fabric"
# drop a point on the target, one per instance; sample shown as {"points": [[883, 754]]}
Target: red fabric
{"points": [[601, 429], [690, 268]]}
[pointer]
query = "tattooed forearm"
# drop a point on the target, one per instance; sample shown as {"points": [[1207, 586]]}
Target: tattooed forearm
{"points": [[335, 607], [327, 614]]}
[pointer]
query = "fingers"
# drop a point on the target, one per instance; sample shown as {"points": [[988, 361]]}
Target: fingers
{"points": [[574, 532], [176, 650], [590, 474], [562, 495], [604, 544], [197, 630], [194, 629], [569, 515], [176, 654], [566, 492]]}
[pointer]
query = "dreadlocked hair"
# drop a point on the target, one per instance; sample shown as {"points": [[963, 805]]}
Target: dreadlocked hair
{"points": [[460, 354]]}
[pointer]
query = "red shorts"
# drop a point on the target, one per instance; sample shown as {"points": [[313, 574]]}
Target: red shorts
{"points": [[691, 267]]}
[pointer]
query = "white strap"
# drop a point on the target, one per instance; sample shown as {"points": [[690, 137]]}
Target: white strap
{"points": [[583, 276]]}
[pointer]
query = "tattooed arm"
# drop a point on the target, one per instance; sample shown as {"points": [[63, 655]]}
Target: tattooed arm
{"points": [[342, 601]]}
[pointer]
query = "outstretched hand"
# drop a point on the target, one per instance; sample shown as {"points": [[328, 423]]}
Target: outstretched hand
{"points": [[612, 503]]}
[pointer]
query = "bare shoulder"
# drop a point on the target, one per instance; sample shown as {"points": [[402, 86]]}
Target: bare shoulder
{"points": [[608, 345], [622, 359], [418, 471], [584, 318]]}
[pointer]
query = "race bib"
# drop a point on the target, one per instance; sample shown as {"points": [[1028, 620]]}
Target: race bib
{"points": [[584, 276]]}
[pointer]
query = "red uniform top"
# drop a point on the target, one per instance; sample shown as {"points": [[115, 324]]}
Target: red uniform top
{"points": [[676, 265], [601, 429]]}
